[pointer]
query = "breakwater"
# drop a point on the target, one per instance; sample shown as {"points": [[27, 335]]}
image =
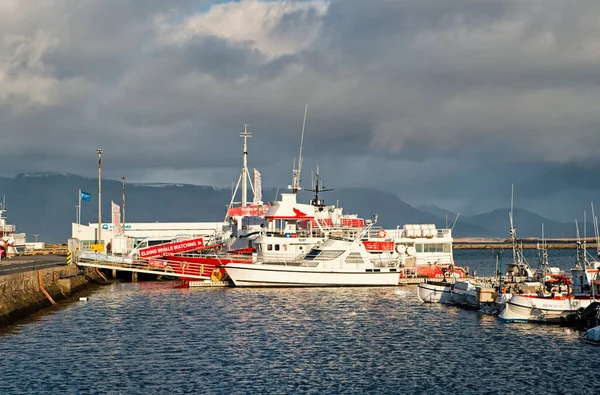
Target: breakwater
{"points": [[502, 245], [24, 293]]}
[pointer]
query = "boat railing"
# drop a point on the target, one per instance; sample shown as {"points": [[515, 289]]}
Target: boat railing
{"points": [[8, 228]]}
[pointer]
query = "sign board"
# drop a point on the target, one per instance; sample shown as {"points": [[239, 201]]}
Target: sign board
{"points": [[96, 247], [171, 248], [248, 211], [104, 257]]}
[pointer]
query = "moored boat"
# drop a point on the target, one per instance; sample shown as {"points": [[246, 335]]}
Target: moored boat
{"points": [[435, 292], [591, 336], [335, 262], [555, 301]]}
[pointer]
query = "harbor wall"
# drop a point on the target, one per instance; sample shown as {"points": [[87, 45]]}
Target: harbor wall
{"points": [[507, 246], [21, 293]]}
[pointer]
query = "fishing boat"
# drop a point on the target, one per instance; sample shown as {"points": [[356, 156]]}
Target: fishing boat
{"points": [[554, 301], [519, 278], [337, 261]]}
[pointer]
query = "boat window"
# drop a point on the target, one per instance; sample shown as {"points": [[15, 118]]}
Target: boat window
{"points": [[269, 247], [447, 248], [312, 254], [157, 242], [354, 257], [325, 255], [276, 247], [437, 248], [419, 247]]}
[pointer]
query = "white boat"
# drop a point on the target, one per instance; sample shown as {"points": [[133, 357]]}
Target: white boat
{"points": [[335, 262], [459, 293], [435, 292], [550, 305], [591, 336]]}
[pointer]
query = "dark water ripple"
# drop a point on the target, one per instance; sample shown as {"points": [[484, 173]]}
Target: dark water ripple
{"points": [[153, 338]]}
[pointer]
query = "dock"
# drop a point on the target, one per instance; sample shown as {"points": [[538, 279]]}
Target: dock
{"points": [[411, 280]]}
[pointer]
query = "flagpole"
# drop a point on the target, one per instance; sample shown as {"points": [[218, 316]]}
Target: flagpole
{"points": [[79, 209]]}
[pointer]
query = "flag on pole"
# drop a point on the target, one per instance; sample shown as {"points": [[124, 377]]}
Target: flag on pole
{"points": [[116, 219], [257, 187], [86, 197]]}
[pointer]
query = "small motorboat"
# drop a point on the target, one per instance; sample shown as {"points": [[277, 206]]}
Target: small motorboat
{"points": [[591, 336]]}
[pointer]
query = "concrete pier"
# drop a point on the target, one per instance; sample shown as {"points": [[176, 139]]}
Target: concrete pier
{"points": [[25, 292]]}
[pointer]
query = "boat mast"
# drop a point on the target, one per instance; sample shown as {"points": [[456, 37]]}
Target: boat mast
{"points": [[245, 135], [513, 230], [296, 172]]}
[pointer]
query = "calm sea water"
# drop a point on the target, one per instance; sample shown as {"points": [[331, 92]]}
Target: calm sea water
{"points": [[154, 338]]}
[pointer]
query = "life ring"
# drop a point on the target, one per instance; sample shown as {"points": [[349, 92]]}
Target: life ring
{"points": [[183, 265], [216, 275], [400, 248], [381, 234]]}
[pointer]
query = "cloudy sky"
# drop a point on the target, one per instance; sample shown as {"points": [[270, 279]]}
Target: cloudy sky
{"points": [[439, 101]]}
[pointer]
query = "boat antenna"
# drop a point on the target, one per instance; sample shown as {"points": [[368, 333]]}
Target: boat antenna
{"points": [[296, 172], [584, 233], [455, 221], [578, 245], [318, 188], [596, 233]]}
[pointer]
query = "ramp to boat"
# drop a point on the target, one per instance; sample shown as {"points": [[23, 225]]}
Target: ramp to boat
{"points": [[159, 267]]}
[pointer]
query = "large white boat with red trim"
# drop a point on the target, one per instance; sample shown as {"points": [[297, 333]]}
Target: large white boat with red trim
{"points": [[295, 228]]}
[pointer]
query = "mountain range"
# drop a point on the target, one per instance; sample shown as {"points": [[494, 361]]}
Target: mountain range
{"points": [[44, 204]]}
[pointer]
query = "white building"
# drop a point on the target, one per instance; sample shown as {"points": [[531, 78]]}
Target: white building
{"points": [[86, 234]]}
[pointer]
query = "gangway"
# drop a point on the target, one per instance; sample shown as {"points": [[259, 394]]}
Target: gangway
{"points": [[199, 268]]}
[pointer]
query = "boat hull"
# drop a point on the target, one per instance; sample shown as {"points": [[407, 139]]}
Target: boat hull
{"points": [[265, 275], [435, 292], [525, 309]]}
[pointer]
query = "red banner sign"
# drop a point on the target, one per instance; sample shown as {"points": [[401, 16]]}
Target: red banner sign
{"points": [[171, 248], [378, 245], [248, 211]]}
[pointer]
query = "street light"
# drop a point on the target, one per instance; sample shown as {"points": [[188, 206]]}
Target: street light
{"points": [[123, 202], [99, 195], [36, 236]]}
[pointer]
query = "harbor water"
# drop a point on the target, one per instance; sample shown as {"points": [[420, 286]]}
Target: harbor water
{"points": [[156, 338]]}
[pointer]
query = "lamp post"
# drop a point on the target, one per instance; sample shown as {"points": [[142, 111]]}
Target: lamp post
{"points": [[99, 195], [123, 203]]}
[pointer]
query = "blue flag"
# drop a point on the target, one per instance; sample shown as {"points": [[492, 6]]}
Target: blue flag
{"points": [[86, 197]]}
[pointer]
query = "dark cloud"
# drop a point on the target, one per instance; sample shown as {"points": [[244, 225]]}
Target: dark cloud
{"points": [[444, 101]]}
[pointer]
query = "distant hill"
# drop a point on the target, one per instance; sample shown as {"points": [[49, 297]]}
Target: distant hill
{"points": [[44, 204], [527, 224], [437, 211]]}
